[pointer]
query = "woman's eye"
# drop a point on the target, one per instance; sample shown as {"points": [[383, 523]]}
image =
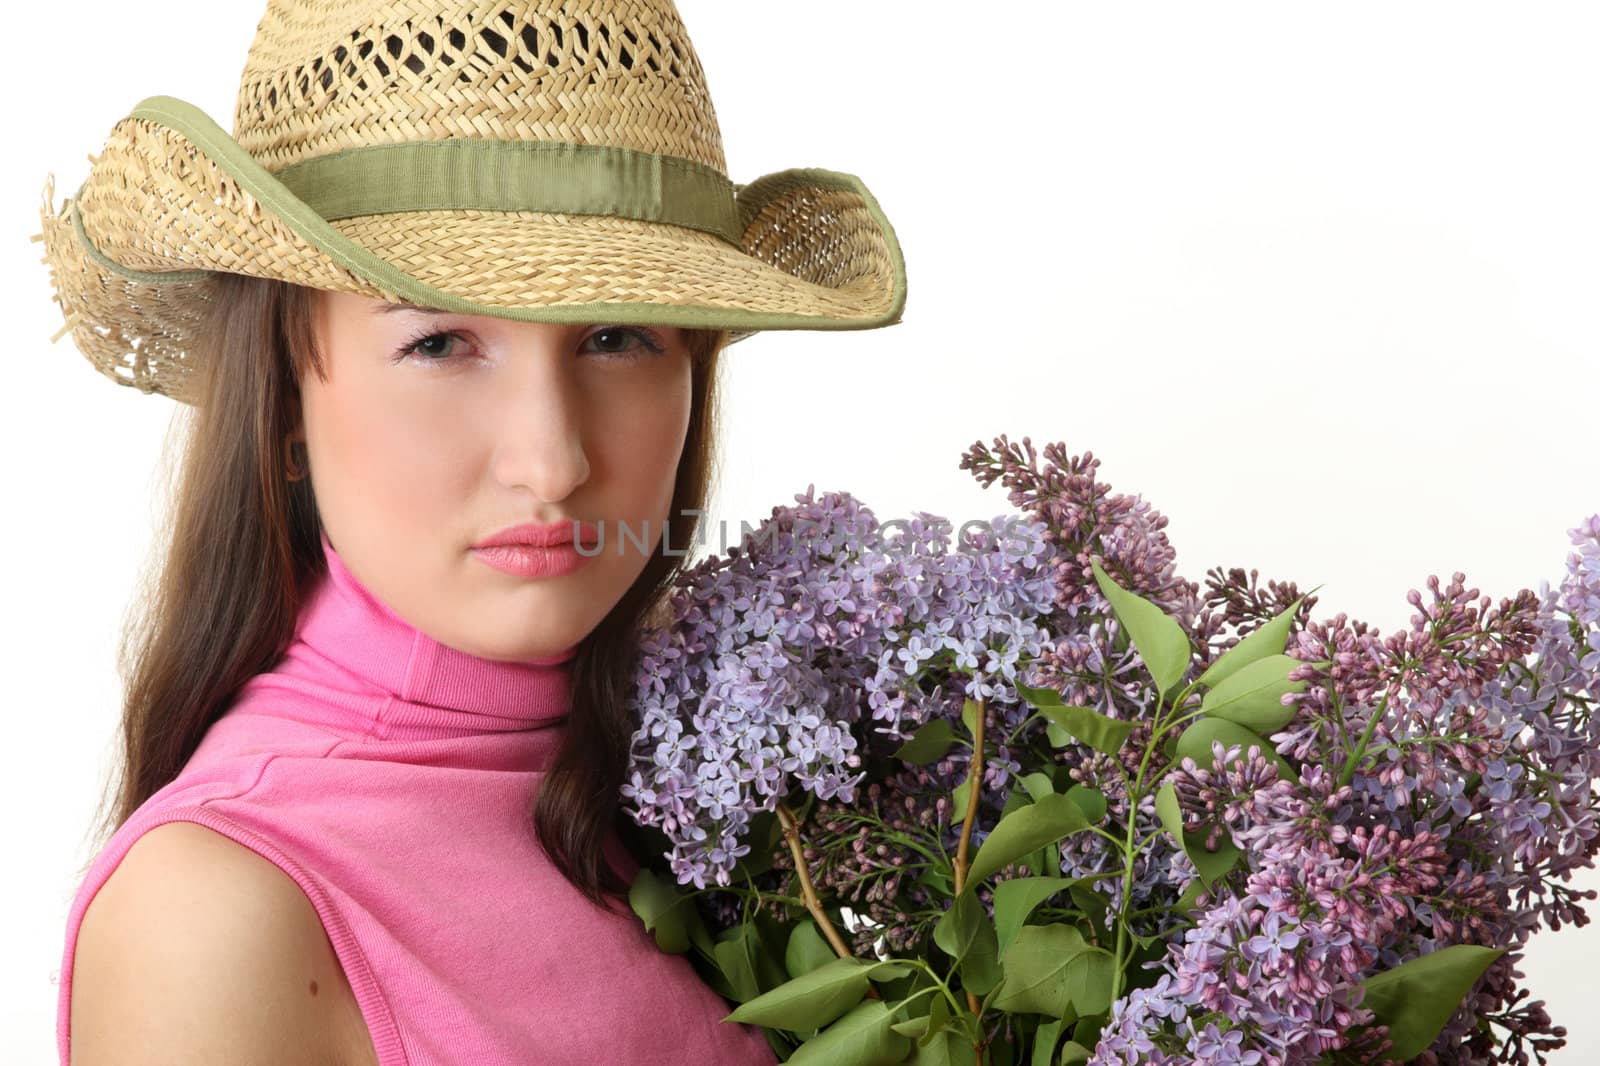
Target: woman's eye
{"points": [[428, 347], [614, 341]]}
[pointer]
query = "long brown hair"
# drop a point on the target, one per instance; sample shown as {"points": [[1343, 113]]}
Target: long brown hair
{"points": [[242, 548]]}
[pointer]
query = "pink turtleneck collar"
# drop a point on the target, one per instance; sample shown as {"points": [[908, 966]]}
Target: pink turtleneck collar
{"points": [[369, 672]]}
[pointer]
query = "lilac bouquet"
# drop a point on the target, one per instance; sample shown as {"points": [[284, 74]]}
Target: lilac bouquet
{"points": [[1016, 793]]}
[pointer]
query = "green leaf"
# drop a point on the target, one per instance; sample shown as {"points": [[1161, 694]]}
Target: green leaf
{"points": [[969, 716], [1073, 1053], [1212, 865], [662, 909], [734, 959], [966, 935], [1035, 967], [1416, 998], [938, 877], [927, 744], [1195, 742], [922, 1027], [700, 936], [1087, 1031], [779, 1045], [770, 943], [1091, 801], [1089, 980], [1209, 864], [1090, 902], [1016, 898], [806, 950], [1159, 639], [1170, 811], [1039, 697], [1064, 723], [1038, 785], [863, 1037], [938, 1018], [948, 1047], [1253, 694], [1100, 732], [811, 1000], [958, 801], [1045, 1039], [1270, 639], [1021, 831], [715, 978]]}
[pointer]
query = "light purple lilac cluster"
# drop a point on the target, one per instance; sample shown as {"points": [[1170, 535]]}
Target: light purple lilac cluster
{"points": [[822, 618], [1278, 963], [1082, 517], [1085, 521], [1476, 793]]}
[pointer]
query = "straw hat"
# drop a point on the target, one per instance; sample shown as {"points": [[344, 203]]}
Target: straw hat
{"points": [[540, 160]]}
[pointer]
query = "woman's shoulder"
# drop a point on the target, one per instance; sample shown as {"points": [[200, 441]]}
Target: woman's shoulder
{"points": [[196, 948]]}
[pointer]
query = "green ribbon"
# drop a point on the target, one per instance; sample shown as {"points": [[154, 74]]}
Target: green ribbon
{"points": [[488, 175]]}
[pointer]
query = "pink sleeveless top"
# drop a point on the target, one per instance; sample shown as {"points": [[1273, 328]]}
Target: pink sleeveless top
{"points": [[392, 778]]}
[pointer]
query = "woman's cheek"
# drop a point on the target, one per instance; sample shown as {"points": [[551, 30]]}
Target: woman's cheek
{"points": [[652, 480], [391, 461]]}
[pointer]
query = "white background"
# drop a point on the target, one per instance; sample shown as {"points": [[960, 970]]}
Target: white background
{"points": [[1319, 283]]}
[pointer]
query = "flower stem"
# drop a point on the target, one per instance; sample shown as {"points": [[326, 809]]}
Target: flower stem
{"points": [[974, 787], [1135, 792], [1131, 789], [1360, 753], [808, 891]]}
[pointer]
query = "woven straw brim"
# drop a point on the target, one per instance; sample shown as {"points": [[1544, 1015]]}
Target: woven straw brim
{"points": [[173, 200]]}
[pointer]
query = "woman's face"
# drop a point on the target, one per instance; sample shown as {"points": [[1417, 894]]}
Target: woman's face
{"points": [[417, 455]]}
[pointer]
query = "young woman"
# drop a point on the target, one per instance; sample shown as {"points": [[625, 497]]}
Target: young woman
{"points": [[447, 308]]}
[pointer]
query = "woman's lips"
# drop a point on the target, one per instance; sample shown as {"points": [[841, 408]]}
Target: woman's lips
{"points": [[527, 560]]}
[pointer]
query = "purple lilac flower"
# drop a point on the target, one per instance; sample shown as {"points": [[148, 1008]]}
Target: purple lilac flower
{"points": [[778, 657], [1282, 960], [1482, 746]]}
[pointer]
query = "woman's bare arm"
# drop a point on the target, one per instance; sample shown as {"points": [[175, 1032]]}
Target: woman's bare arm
{"points": [[198, 950]]}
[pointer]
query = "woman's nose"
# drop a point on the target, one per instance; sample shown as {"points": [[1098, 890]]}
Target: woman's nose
{"points": [[542, 424]]}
